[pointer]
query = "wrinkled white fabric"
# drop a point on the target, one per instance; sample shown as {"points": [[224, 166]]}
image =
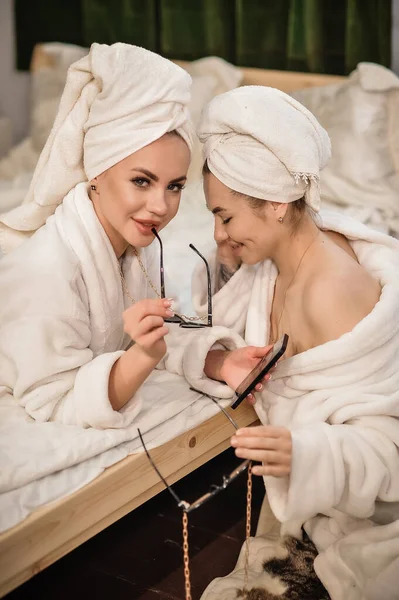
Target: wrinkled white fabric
{"points": [[61, 330], [341, 402], [61, 327], [117, 100], [261, 142]]}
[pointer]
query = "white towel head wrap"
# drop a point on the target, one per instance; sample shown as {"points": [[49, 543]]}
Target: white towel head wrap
{"points": [[117, 100], [261, 142]]}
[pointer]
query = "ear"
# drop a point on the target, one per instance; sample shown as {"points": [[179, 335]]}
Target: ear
{"points": [[93, 189], [279, 210]]}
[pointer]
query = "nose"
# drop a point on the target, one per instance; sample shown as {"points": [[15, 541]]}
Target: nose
{"points": [[219, 233], [157, 204]]}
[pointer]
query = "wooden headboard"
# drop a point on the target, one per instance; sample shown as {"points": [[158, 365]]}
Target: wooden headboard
{"points": [[287, 81]]}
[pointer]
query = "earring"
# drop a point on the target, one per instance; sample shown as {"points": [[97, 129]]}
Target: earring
{"points": [[280, 219], [93, 187]]}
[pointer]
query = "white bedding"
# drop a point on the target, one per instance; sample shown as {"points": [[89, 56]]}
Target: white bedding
{"points": [[41, 462], [48, 461], [54, 455]]}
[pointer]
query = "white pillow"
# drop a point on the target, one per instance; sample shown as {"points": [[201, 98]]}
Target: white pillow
{"points": [[361, 116]]}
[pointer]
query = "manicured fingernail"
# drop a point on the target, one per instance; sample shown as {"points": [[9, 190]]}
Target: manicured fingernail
{"points": [[167, 303], [234, 441], [170, 313]]}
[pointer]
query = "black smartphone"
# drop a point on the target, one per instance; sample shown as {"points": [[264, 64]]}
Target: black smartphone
{"points": [[258, 373]]}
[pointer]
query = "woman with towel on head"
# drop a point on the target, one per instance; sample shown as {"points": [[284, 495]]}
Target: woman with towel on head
{"points": [[328, 441], [75, 295]]}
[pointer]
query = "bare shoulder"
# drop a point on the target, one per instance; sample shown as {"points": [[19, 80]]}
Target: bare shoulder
{"points": [[337, 299]]}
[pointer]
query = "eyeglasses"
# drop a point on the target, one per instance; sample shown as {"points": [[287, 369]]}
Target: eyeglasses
{"points": [[188, 507], [182, 320]]}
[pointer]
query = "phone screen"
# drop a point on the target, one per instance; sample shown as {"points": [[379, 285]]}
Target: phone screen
{"points": [[263, 367]]}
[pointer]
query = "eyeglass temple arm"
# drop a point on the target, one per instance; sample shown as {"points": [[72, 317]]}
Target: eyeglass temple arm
{"points": [[208, 273], [175, 496], [224, 411], [162, 275]]}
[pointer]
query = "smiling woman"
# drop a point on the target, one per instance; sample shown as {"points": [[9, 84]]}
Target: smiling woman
{"points": [[327, 445], [141, 192], [83, 285]]}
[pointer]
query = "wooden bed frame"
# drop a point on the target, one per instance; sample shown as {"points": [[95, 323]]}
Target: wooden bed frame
{"points": [[54, 530]]}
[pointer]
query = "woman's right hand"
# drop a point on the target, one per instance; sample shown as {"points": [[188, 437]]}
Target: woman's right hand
{"points": [[144, 323], [238, 364]]}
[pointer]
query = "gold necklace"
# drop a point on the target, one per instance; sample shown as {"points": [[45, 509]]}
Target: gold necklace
{"points": [[123, 280], [274, 338]]}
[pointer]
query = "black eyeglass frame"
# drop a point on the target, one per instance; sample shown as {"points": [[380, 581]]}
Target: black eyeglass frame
{"points": [[183, 323], [188, 507]]}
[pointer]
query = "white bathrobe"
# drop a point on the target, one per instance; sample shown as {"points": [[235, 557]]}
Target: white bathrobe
{"points": [[61, 328], [341, 403]]}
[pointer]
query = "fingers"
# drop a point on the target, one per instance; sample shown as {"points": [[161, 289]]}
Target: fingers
{"points": [[272, 470], [260, 352], [153, 337], [149, 323], [251, 399], [271, 446], [262, 443], [144, 308], [269, 431], [264, 456]]}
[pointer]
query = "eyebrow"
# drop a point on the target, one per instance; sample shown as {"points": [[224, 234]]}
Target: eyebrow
{"points": [[155, 177], [217, 210]]}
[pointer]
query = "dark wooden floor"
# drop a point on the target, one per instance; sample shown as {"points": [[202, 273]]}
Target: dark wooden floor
{"points": [[140, 556]]}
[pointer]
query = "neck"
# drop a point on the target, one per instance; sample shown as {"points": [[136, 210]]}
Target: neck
{"points": [[292, 247], [119, 244]]}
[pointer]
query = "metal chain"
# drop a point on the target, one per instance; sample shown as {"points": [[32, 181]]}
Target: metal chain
{"points": [[154, 289], [248, 525], [186, 557]]}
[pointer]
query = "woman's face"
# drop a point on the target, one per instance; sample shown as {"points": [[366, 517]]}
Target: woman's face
{"points": [[253, 234], [141, 192]]}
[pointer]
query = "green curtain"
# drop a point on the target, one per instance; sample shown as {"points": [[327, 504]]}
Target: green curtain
{"points": [[325, 36]]}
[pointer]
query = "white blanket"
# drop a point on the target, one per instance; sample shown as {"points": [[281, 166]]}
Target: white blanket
{"points": [[341, 402], [61, 331], [42, 462]]}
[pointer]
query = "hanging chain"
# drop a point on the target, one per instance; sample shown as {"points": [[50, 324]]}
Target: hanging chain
{"points": [[154, 289], [186, 557], [248, 525]]}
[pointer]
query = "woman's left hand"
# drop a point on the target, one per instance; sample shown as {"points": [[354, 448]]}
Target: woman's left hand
{"points": [[269, 445]]}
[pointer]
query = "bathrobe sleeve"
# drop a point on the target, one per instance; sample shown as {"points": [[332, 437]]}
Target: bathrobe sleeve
{"points": [[46, 360], [188, 349], [347, 467]]}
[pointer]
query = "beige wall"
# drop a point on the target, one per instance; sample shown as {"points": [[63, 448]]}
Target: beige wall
{"points": [[395, 37], [14, 86]]}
